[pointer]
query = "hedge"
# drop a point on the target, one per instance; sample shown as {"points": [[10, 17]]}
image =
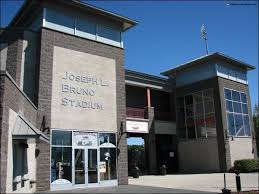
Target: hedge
{"points": [[247, 165]]}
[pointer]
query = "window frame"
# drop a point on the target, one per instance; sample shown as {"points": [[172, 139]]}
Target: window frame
{"points": [[236, 113], [194, 116]]}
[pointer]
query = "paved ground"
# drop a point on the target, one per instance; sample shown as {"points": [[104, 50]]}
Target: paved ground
{"points": [[130, 189], [180, 183], [199, 182]]}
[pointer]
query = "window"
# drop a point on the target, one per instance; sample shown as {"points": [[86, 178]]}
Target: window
{"points": [[237, 113], [107, 139], [85, 28], [196, 115], [61, 157], [108, 164], [61, 138], [61, 164], [20, 163], [107, 156], [181, 118], [108, 33]]}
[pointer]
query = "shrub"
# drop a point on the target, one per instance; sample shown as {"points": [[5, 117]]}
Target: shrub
{"points": [[247, 165]]}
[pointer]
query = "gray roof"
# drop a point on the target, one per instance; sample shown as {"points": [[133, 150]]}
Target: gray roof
{"points": [[204, 58], [28, 4], [139, 79], [24, 128]]}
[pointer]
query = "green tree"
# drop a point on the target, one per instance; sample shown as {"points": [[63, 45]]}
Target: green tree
{"points": [[256, 126]]}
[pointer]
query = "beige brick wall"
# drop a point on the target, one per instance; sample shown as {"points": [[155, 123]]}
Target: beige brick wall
{"points": [[198, 155], [240, 148], [69, 67]]}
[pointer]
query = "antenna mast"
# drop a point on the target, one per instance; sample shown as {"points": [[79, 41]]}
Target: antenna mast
{"points": [[203, 35]]}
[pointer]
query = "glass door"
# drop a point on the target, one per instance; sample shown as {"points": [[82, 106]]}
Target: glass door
{"points": [[79, 166], [92, 166]]}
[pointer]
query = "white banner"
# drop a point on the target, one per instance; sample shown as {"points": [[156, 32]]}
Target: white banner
{"points": [[85, 139], [137, 126]]}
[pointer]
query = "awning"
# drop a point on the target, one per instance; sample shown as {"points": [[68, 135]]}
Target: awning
{"points": [[24, 129]]}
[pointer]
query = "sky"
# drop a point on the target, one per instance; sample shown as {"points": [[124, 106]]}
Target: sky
{"points": [[168, 32]]}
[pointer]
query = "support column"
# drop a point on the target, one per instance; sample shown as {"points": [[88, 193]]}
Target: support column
{"points": [[150, 142], [148, 98]]}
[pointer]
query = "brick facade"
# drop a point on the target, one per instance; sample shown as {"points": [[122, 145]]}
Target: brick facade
{"points": [[218, 85], [239, 87], [206, 84], [49, 39], [12, 98], [14, 38]]}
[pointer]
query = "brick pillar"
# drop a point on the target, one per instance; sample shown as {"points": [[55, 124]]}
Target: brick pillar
{"points": [[150, 142], [43, 167], [123, 160], [14, 55]]}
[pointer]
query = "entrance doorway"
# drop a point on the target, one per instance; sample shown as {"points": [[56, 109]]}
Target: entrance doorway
{"points": [[136, 155], [85, 170], [83, 159], [166, 152]]}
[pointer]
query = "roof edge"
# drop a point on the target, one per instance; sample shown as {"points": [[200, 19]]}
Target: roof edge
{"points": [[141, 74], [207, 57], [99, 11]]}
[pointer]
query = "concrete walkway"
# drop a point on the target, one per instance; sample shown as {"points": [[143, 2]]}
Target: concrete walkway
{"points": [[199, 182], [129, 189]]}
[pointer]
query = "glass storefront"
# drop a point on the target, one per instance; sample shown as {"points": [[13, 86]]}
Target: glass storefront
{"points": [[81, 158]]}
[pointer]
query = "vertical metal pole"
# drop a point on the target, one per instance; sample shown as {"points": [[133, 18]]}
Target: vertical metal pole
{"points": [[224, 181], [238, 182], [206, 43]]}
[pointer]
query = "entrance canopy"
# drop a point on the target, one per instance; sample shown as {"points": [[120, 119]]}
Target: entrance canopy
{"points": [[23, 129]]}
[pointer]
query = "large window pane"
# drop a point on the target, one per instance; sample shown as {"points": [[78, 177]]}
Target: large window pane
{"points": [[211, 125], [85, 28], [209, 107], [188, 100], [228, 94], [244, 108], [197, 97], [108, 33], [79, 166], [61, 138], [199, 109], [229, 106], [61, 163], [208, 95], [231, 124], [243, 98], [107, 138], [108, 164], [189, 111], [239, 125], [200, 127], [190, 128], [236, 96], [247, 125], [237, 107]]}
